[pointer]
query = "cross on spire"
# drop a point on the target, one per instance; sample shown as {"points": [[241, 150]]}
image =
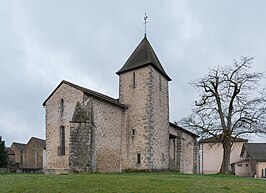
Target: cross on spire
{"points": [[145, 22]]}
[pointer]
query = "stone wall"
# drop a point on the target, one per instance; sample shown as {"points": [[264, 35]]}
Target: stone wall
{"points": [[186, 158], [115, 138], [108, 119], [55, 118], [190, 156], [82, 139], [146, 118], [106, 128], [159, 117]]}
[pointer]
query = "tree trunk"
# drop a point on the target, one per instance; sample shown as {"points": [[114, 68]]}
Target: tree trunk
{"points": [[225, 167]]}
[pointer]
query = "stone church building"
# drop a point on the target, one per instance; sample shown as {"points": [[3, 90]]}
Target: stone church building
{"points": [[89, 131]]}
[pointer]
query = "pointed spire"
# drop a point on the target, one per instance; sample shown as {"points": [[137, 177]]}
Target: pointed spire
{"points": [[145, 23], [142, 56]]}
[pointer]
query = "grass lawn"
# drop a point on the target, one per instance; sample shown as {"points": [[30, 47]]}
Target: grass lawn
{"points": [[129, 182]]}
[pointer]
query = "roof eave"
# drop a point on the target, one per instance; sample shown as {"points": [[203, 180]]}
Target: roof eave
{"points": [[83, 90], [189, 132], [142, 66]]}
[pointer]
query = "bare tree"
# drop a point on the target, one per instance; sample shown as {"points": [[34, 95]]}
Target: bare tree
{"points": [[230, 105]]}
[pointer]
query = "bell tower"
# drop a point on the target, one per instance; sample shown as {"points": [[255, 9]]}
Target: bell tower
{"points": [[143, 87]]}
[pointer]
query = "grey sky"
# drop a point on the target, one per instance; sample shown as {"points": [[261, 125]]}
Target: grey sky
{"points": [[86, 42]]}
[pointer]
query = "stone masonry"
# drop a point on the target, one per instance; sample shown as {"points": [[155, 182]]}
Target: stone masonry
{"points": [[82, 139], [147, 118], [87, 131]]}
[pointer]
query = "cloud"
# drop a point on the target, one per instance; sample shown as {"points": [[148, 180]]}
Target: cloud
{"points": [[86, 42]]}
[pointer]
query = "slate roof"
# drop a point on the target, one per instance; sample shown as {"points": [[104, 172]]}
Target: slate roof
{"points": [[181, 128], [89, 92], [20, 146], [257, 151], [214, 140], [142, 56], [42, 142]]}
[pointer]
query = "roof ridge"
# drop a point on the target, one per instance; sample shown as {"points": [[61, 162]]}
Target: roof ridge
{"points": [[67, 82], [88, 91], [19, 143], [175, 125], [256, 143], [37, 138], [95, 92], [40, 141], [212, 139]]}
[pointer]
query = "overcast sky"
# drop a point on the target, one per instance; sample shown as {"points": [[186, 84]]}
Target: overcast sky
{"points": [[86, 42]]}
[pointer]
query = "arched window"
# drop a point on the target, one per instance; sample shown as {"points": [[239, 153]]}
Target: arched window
{"points": [[61, 148]]}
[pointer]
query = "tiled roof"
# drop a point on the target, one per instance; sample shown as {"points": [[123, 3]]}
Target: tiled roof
{"points": [[181, 128], [89, 92], [257, 151], [214, 140], [142, 56], [20, 146]]}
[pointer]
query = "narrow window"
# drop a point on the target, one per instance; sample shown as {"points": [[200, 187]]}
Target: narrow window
{"points": [[61, 148], [160, 83], [61, 107], [138, 158], [133, 132], [134, 80], [246, 165]]}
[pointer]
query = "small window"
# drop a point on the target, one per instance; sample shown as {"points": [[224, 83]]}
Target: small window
{"points": [[239, 165], [246, 165], [138, 158], [61, 107], [133, 132], [134, 80]]}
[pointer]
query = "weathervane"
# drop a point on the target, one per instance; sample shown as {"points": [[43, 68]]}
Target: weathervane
{"points": [[145, 22]]}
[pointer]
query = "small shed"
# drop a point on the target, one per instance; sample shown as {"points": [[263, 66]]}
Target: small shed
{"points": [[12, 166], [17, 149], [254, 160], [34, 158]]}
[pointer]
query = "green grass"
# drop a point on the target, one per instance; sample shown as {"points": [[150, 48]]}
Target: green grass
{"points": [[129, 183]]}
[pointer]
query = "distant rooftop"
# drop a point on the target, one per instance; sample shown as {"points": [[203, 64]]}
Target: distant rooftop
{"points": [[42, 142], [257, 151], [20, 146], [214, 140]]}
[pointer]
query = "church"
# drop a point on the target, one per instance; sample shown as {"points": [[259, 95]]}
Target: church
{"points": [[87, 131]]}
